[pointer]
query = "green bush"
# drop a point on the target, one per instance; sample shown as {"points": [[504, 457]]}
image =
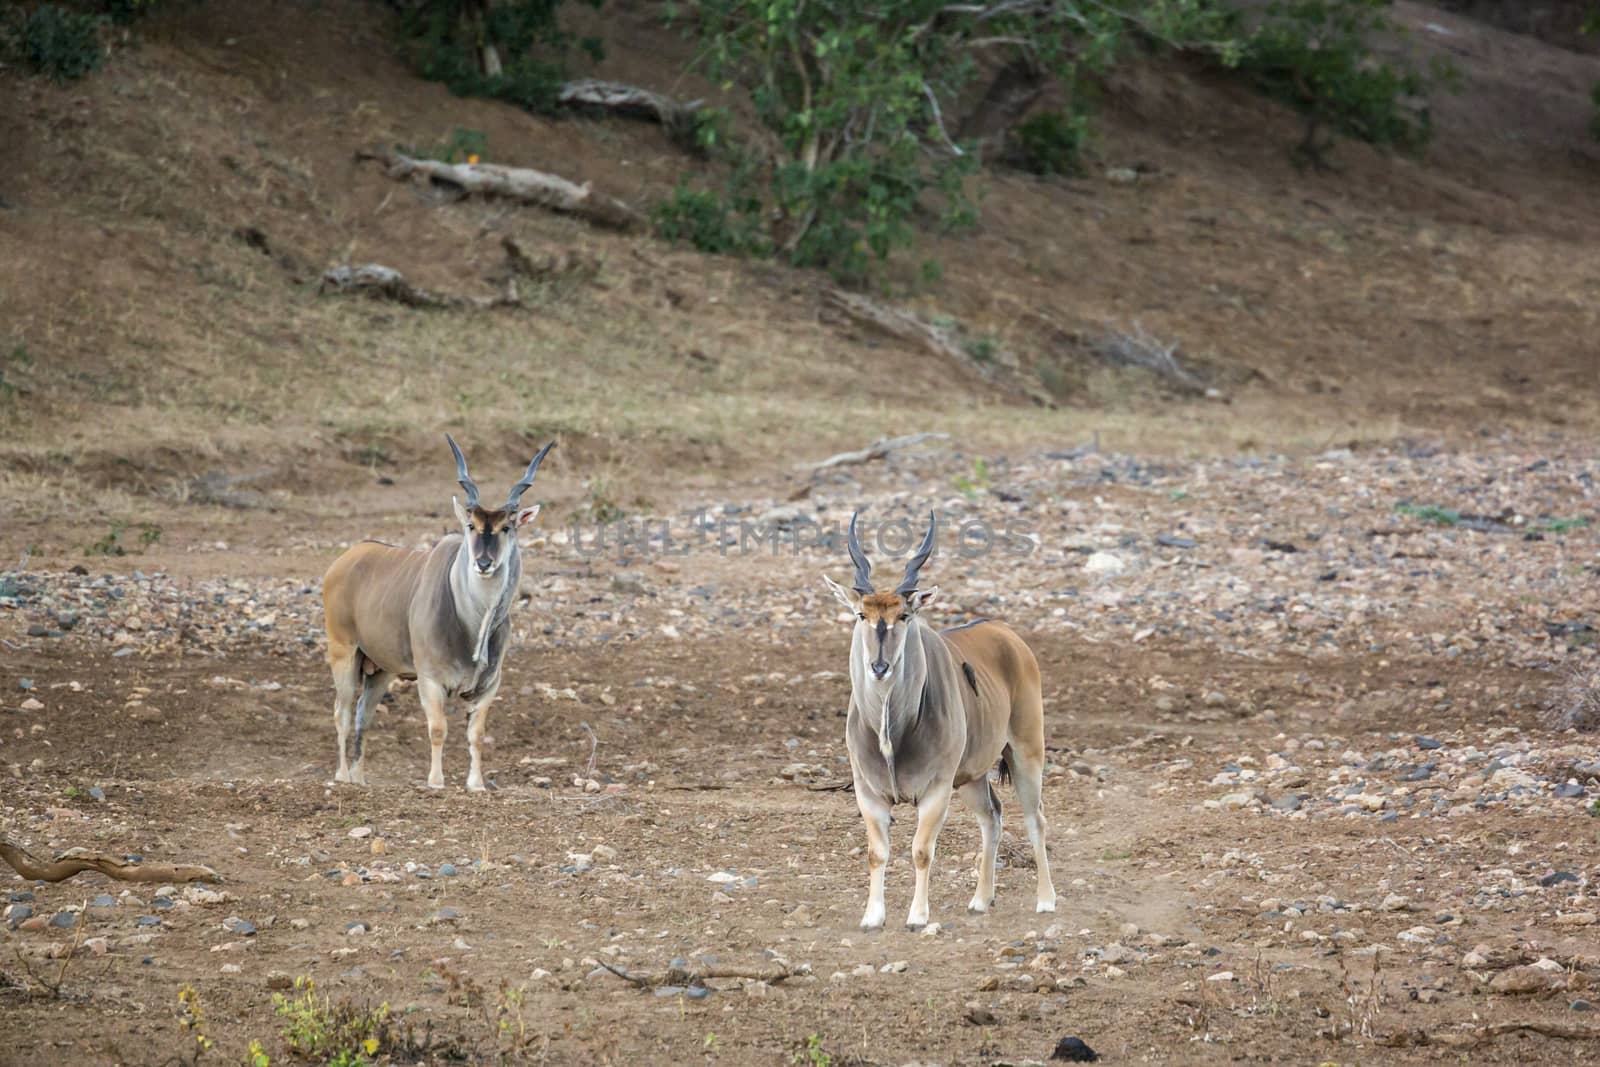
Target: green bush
{"points": [[1314, 56], [705, 220], [60, 44], [449, 42], [1051, 142], [854, 95]]}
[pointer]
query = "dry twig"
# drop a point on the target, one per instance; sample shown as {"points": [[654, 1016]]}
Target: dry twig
{"points": [[877, 450], [687, 976], [1480, 1035]]}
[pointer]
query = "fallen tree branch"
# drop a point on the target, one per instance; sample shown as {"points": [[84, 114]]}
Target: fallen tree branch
{"points": [[688, 976], [512, 183], [999, 368], [632, 102], [386, 283], [1473, 1038], [877, 450], [76, 861]]}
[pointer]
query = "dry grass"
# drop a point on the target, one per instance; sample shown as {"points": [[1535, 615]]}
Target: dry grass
{"points": [[1574, 701]]}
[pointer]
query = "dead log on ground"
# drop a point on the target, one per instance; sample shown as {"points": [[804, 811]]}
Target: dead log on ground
{"points": [[76, 860], [877, 450], [512, 183], [632, 102], [386, 283]]}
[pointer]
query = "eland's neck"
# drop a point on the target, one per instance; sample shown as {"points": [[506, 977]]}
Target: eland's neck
{"points": [[478, 598], [889, 703]]}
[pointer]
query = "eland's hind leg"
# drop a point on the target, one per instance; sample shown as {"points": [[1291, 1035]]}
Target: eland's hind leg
{"points": [[1026, 757], [1025, 754], [345, 662], [373, 686], [980, 797]]}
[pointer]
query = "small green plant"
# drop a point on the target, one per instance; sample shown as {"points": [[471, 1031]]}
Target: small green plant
{"points": [[257, 1056], [601, 506], [1594, 807], [1564, 525], [813, 1055], [193, 1016], [110, 544], [462, 146], [983, 348], [710, 1042], [339, 1035], [971, 486], [1051, 142], [1430, 513], [59, 43]]}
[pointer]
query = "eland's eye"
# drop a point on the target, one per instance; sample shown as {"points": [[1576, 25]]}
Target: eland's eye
{"points": [[861, 615]]}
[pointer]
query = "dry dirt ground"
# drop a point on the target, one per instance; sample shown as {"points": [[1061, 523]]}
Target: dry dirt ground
{"points": [[1308, 649], [1305, 801]]}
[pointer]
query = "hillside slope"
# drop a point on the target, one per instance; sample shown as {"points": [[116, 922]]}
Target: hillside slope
{"points": [[169, 218]]}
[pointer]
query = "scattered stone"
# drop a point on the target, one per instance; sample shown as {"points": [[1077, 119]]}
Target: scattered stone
{"points": [[64, 920], [235, 925], [361, 831], [897, 967], [1074, 1050], [1104, 564], [447, 870], [1576, 918], [1530, 978], [1428, 744]]}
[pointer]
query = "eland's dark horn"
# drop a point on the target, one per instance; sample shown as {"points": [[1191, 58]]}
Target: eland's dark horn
{"points": [[462, 476], [908, 584], [859, 558], [527, 477]]}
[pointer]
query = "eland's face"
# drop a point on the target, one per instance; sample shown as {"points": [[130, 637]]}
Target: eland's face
{"points": [[491, 537], [881, 624]]}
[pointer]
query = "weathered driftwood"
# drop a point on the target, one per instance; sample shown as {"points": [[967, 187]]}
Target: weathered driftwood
{"points": [[630, 101], [1001, 370], [76, 860], [877, 450], [512, 183], [386, 283]]}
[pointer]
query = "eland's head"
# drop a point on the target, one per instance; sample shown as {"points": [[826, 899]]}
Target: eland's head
{"points": [[491, 533], [883, 619]]}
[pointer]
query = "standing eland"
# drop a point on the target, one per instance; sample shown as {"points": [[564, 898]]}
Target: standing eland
{"points": [[930, 713], [441, 617]]}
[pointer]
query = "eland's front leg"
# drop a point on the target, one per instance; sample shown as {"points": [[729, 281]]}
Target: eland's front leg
{"points": [[931, 810], [477, 723], [875, 813], [432, 696]]}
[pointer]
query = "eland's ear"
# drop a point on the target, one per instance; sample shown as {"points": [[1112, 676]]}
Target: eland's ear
{"points": [[848, 597], [461, 513], [527, 515], [921, 598]]}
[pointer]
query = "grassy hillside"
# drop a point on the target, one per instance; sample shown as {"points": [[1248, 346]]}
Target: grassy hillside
{"points": [[168, 219]]}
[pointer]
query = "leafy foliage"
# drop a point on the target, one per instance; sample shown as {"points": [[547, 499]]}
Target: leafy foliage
{"points": [[61, 44], [1314, 56], [706, 220], [513, 51], [1052, 142], [339, 1035], [854, 97]]}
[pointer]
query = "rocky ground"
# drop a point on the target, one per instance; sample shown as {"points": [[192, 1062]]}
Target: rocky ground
{"points": [[1315, 791]]}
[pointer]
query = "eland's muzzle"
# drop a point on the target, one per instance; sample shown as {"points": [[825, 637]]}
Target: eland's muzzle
{"points": [[485, 565], [880, 670]]}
